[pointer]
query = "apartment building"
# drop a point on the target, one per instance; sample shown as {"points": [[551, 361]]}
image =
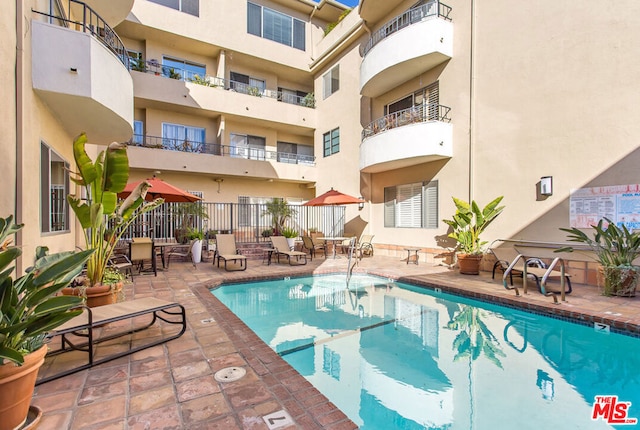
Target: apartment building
{"points": [[404, 103]]}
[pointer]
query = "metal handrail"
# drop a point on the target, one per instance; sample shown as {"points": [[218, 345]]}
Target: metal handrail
{"points": [[184, 145], [178, 73], [91, 23], [432, 9], [412, 115]]}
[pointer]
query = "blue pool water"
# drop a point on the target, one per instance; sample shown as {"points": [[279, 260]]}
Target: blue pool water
{"points": [[396, 356]]}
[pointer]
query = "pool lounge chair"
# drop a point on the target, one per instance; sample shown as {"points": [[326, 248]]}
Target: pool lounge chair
{"points": [[308, 243], [183, 251], [511, 262], [227, 250], [86, 331], [282, 248]]}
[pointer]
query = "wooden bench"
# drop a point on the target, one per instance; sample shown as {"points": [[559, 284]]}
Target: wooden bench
{"points": [[87, 330]]}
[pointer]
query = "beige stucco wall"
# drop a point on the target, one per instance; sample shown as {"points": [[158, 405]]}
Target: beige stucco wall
{"points": [[8, 44]]}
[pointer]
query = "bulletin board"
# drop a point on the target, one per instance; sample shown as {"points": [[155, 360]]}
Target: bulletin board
{"points": [[619, 203]]}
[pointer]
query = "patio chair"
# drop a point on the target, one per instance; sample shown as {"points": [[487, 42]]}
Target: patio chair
{"points": [[536, 268], [122, 264], [281, 246], [364, 245], [227, 250], [309, 244], [141, 250], [183, 251]]}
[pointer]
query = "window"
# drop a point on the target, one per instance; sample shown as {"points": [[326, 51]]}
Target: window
{"points": [[54, 187], [411, 205], [331, 82], [138, 133], [276, 26], [182, 69], [187, 6], [249, 147], [294, 153], [182, 138], [331, 142], [245, 84], [424, 103]]}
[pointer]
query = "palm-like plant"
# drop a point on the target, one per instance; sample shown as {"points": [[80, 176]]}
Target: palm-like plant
{"points": [[103, 218], [470, 221], [29, 307], [614, 246]]}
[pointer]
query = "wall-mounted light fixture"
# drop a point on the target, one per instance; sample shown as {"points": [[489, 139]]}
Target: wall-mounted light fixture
{"points": [[546, 186], [361, 204], [219, 181]]}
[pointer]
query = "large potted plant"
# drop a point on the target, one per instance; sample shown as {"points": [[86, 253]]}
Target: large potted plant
{"points": [[29, 308], [187, 216], [279, 211], [615, 248], [103, 218], [468, 223]]}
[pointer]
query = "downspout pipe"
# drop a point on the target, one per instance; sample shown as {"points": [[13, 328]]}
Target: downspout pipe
{"points": [[18, 102], [471, 100]]}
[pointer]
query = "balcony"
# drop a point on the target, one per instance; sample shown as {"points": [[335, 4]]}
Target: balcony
{"points": [[406, 138], [75, 67], [405, 47], [203, 157], [155, 68]]}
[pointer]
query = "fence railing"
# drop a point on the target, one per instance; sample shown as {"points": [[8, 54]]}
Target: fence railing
{"points": [[154, 67], [88, 21], [431, 9], [415, 114], [248, 222], [248, 153]]}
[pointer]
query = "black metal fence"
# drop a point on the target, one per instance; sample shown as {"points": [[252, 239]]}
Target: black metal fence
{"points": [[248, 222]]}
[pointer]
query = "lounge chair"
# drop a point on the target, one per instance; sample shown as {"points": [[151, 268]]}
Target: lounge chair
{"points": [[122, 264], [86, 331], [364, 245], [281, 247], [309, 244], [227, 250], [183, 251], [511, 262]]}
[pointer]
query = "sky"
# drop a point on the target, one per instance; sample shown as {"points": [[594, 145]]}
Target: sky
{"points": [[350, 3]]}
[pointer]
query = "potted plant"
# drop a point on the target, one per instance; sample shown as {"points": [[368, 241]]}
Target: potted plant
{"points": [[280, 211], [29, 309], [291, 235], [187, 215], [615, 248], [468, 223], [197, 236], [102, 217]]}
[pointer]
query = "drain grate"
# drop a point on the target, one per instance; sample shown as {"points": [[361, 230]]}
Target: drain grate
{"points": [[229, 374]]}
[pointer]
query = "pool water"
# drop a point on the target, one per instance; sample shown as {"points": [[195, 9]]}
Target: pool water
{"points": [[395, 356]]}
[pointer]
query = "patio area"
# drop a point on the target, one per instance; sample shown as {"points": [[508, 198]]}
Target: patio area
{"points": [[172, 386]]}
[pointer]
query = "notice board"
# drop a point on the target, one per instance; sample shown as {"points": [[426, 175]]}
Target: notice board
{"points": [[619, 203]]}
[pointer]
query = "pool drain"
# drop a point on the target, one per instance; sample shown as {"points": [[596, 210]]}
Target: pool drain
{"points": [[229, 374]]}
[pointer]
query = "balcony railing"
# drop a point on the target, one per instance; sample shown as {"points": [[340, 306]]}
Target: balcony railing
{"points": [[431, 9], [248, 153], [178, 73], [90, 22], [413, 115]]}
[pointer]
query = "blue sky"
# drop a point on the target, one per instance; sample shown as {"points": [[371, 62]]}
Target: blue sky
{"points": [[351, 3]]}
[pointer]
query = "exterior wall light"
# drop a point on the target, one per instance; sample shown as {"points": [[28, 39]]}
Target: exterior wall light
{"points": [[361, 204], [546, 186]]}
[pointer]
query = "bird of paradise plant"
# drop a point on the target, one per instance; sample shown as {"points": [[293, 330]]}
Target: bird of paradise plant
{"points": [[103, 218]]}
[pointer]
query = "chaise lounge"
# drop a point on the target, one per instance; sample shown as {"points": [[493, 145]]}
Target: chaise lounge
{"points": [[227, 250], [282, 248]]}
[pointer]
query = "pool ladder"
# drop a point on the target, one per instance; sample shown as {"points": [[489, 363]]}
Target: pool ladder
{"points": [[352, 248]]}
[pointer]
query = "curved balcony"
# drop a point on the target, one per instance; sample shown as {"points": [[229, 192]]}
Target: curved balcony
{"points": [[75, 68], [406, 138], [405, 47]]}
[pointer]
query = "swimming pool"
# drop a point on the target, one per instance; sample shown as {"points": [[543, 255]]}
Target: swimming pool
{"points": [[396, 356]]}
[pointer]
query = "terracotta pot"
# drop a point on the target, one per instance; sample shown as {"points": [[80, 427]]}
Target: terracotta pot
{"points": [[16, 389], [99, 295], [617, 281], [469, 263]]}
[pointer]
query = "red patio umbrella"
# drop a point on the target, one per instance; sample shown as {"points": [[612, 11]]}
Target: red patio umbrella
{"points": [[333, 198], [160, 188]]}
